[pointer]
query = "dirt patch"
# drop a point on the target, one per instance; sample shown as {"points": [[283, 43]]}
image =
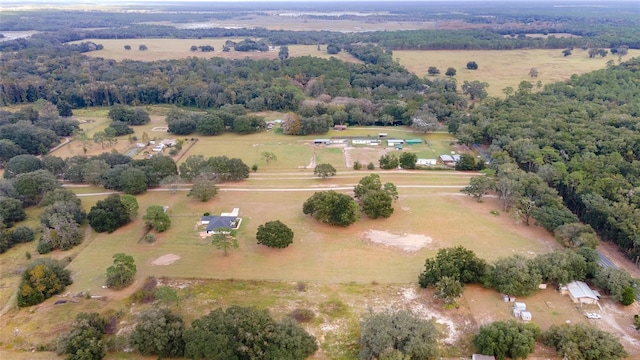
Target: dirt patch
{"points": [[364, 155], [160, 128], [405, 242], [167, 259]]}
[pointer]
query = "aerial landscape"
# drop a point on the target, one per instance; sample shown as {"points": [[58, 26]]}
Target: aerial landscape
{"points": [[320, 180]]}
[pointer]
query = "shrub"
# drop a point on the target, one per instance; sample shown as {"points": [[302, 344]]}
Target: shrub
{"points": [[303, 315], [333, 307], [22, 234], [357, 165], [150, 238], [44, 247], [41, 280]]}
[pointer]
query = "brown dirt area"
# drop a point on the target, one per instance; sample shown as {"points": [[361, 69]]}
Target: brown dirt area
{"points": [[167, 259], [404, 242], [365, 155]]}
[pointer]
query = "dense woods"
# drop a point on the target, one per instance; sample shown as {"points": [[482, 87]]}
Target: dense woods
{"points": [[581, 139]]}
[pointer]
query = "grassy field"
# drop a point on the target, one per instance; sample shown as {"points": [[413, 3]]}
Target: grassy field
{"points": [[166, 49], [502, 68]]}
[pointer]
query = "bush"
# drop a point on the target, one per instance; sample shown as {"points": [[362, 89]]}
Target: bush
{"points": [[147, 293], [333, 307], [149, 238], [370, 166], [303, 315], [357, 165], [41, 280], [22, 234], [44, 247], [275, 234]]}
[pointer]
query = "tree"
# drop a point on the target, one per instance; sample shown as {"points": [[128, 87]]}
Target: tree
{"points": [[560, 267], [475, 89], [566, 52], [274, 234], [246, 333], [268, 157], [424, 121], [456, 263], [193, 48], [224, 239], [283, 54], [388, 162], [324, 170], [22, 234], [203, 189], [62, 233], [158, 332], [506, 339], [156, 218], [408, 160], [8, 150], [472, 65], [533, 72], [131, 204], [467, 162], [332, 208], [582, 342], [143, 47], [64, 109], [11, 211], [433, 71], [32, 186], [84, 340], [133, 181], [109, 214], [21, 164], [376, 199], [513, 275], [448, 289], [41, 280], [127, 47], [173, 182], [614, 282], [451, 72], [479, 186], [402, 331], [122, 273], [576, 235]]}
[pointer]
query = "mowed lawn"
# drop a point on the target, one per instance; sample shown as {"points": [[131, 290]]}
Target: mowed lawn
{"points": [[320, 253], [502, 68]]}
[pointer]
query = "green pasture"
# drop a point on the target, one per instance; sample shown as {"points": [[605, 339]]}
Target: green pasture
{"points": [[502, 68]]}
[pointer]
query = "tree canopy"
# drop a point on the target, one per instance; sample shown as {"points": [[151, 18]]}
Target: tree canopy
{"points": [[123, 271], [109, 214], [42, 279], [583, 342], [274, 234], [332, 208], [508, 339], [376, 199], [156, 218]]}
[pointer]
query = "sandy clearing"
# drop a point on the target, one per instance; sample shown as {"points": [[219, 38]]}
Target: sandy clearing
{"points": [[167, 259], [405, 242]]}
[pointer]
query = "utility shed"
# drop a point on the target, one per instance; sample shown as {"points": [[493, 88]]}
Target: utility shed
{"points": [[580, 293], [413, 141]]}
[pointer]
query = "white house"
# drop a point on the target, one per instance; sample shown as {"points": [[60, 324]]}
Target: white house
{"points": [[394, 142]]}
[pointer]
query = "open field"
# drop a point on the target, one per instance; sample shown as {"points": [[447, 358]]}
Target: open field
{"points": [[502, 68], [166, 49]]}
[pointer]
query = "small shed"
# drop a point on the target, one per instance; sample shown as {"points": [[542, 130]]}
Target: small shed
{"points": [[398, 147], [414, 141], [525, 316], [520, 306], [382, 135], [447, 159], [340, 127], [322, 141]]}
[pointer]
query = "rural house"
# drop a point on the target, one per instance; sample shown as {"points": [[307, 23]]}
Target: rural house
{"points": [[580, 293], [225, 220]]}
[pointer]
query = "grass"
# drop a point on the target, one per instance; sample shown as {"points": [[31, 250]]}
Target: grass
{"points": [[166, 49], [502, 68]]}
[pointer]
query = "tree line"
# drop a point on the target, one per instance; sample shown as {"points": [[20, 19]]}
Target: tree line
{"points": [[569, 152]]}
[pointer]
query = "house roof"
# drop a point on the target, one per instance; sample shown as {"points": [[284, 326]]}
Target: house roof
{"points": [[483, 357], [579, 289], [446, 158], [216, 222]]}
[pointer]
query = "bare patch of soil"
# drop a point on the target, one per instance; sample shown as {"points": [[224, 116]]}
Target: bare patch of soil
{"points": [[167, 259], [364, 155], [405, 242]]}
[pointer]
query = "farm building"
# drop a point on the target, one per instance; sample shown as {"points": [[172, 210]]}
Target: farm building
{"points": [[580, 293], [340, 127], [225, 220], [482, 357], [158, 148], [414, 141], [456, 158], [169, 142], [426, 162], [394, 142], [525, 316], [447, 160], [365, 142], [322, 141]]}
